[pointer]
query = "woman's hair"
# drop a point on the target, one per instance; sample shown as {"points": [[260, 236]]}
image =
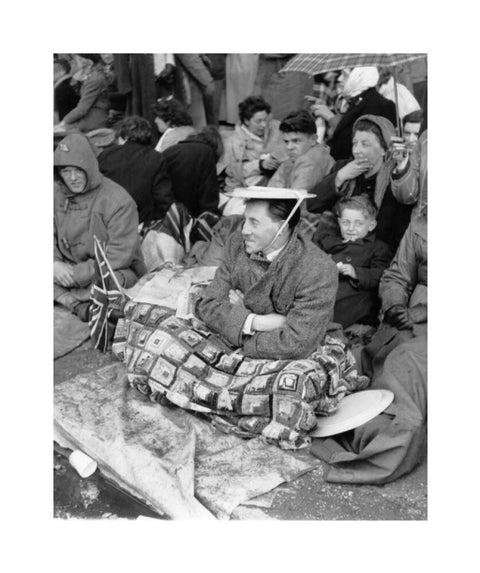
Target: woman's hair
{"points": [[211, 136], [172, 111], [136, 129], [365, 125], [250, 106], [281, 208], [358, 203], [301, 121]]}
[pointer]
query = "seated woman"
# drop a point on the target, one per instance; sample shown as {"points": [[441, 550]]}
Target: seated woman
{"points": [[369, 173], [191, 166], [360, 94], [255, 149], [91, 112], [139, 169], [173, 122], [87, 204]]}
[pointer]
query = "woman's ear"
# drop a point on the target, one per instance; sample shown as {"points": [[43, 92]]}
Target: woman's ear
{"points": [[372, 225]]}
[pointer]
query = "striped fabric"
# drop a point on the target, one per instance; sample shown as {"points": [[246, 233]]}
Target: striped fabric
{"points": [[175, 223], [313, 64], [104, 292]]}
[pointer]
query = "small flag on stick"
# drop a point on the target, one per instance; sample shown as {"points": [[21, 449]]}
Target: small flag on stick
{"points": [[105, 291]]}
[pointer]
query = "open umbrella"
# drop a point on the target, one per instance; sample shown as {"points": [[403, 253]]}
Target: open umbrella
{"points": [[313, 64]]}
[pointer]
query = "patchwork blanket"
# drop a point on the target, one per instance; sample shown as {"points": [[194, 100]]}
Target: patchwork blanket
{"points": [[180, 361]]}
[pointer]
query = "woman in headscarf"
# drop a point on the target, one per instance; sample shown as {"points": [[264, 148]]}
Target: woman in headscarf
{"points": [[361, 98], [369, 172]]}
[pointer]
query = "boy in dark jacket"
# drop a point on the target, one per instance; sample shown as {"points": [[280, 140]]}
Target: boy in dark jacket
{"points": [[360, 258]]}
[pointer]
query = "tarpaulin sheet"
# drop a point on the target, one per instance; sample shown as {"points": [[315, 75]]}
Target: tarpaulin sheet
{"points": [[172, 460]]}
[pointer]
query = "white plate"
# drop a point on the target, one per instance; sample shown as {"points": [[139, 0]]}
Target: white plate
{"points": [[353, 411], [269, 193]]}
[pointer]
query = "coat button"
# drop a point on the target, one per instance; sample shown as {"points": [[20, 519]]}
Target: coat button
{"points": [[348, 259]]}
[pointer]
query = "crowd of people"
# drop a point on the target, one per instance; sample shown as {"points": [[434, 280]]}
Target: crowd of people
{"points": [[317, 217]]}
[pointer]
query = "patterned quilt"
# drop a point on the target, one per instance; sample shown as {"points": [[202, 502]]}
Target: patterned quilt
{"points": [[181, 362]]}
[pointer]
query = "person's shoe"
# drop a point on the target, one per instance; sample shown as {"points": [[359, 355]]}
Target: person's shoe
{"points": [[82, 310]]}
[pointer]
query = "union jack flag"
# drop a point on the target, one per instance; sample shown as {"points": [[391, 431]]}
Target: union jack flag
{"points": [[105, 293]]}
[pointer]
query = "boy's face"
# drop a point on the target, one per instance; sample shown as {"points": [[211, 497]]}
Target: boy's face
{"points": [[298, 143], [355, 225], [411, 131]]}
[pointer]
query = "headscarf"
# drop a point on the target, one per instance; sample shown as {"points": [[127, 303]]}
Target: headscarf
{"points": [[360, 80]]}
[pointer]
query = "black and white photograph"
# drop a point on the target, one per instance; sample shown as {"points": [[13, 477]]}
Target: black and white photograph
{"points": [[245, 347], [302, 180]]}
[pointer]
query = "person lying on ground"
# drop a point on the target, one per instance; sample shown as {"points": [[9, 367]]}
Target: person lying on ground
{"points": [[139, 169], [360, 258], [274, 291], [91, 112], [368, 172], [87, 204]]}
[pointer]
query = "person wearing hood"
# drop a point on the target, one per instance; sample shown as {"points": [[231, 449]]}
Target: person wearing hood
{"points": [[87, 204], [368, 172], [362, 98]]}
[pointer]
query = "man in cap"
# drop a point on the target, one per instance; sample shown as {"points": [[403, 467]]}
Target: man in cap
{"points": [[274, 291]]}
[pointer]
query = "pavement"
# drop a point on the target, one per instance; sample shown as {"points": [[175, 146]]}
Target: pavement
{"points": [[308, 497]]}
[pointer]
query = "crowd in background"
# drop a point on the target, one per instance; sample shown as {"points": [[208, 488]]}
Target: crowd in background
{"points": [[145, 139]]}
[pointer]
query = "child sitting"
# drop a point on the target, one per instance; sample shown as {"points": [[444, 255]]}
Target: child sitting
{"points": [[360, 258]]}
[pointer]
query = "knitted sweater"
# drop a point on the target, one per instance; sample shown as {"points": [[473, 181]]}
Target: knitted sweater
{"points": [[300, 284]]}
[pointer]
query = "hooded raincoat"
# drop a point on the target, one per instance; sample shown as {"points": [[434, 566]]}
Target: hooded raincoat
{"points": [[103, 209]]}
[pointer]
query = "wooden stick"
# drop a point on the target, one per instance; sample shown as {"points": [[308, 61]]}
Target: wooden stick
{"points": [[108, 266]]}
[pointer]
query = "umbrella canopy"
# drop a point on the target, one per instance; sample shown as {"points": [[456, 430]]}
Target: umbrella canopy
{"points": [[313, 64], [320, 63]]}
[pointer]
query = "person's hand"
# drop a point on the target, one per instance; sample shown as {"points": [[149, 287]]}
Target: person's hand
{"points": [[268, 322], [347, 270], [397, 316], [63, 274], [166, 72], [400, 154], [235, 296], [323, 111], [417, 313], [270, 163], [352, 170]]}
